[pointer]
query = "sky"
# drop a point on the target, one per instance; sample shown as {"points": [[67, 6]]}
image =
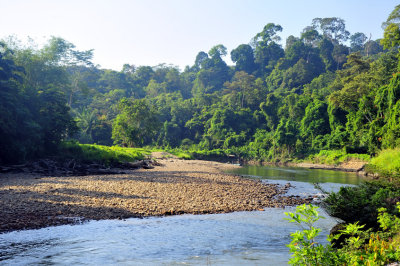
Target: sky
{"points": [[151, 32]]}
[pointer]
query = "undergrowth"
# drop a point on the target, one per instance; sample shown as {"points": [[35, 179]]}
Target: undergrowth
{"points": [[335, 157], [102, 154], [386, 163], [361, 247]]}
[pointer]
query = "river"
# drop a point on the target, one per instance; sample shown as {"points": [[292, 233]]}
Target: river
{"points": [[250, 238]]}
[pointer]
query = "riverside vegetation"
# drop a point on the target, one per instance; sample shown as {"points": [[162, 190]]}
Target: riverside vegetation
{"points": [[327, 96], [359, 248]]}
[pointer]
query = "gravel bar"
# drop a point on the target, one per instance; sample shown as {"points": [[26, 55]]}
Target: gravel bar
{"points": [[175, 187]]}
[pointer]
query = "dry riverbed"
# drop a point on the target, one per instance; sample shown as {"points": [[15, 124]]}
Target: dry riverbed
{"points": [[175, 187]]}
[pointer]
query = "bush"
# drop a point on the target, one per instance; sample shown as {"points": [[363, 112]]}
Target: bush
{"points": [[362, 203], [386, 164], [335, 157], [361, 247]]}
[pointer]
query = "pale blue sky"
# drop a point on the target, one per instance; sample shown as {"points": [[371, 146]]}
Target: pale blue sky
{"points": [[149, 32]]}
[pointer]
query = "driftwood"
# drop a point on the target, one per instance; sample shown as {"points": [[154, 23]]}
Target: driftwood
{"points": [[73, 167]]}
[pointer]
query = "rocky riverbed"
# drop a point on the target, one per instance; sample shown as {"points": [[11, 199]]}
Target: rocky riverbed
{"points": [[175, 187]]}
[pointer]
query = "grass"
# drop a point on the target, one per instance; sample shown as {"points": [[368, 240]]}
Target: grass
{"points": [[114, 154], [335, 157], [196, 153], [181, 154], [386, 163], [102, 154]]}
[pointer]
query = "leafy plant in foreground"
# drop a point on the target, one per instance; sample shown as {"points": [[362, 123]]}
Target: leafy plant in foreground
{"points": [[373, 248], [360, 248], [304, 247]]}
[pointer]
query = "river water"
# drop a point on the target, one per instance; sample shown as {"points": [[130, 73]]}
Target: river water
{"points": [[250, 238]]}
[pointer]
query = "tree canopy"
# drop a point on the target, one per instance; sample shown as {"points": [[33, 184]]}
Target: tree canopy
{"points": [[326, 88]]}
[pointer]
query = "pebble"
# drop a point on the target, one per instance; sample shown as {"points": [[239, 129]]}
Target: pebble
{"points": [[176, 187]]}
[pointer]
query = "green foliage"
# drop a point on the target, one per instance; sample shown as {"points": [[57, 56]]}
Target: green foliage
{"points": [[34, 116], [285, 134], [315, 121], [386, 163], [360, 247], [373, 248], [243, 56], [181, 154], [362, 203], [136, 124], [102, 154], [274, 104], [392, 32], [304, 247], [335, 157]]}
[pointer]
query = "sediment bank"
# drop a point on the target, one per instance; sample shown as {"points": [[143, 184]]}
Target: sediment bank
{"points": [[175, 187]]}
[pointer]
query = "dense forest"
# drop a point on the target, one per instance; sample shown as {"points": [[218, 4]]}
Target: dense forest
{"points": [[326, 88]]}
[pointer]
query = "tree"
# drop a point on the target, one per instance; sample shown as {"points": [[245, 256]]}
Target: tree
{"points": [[286, 134], [394, 17], [54, 119], [302, 73], [310, 36], [136, 125], [340, 53], [243, 56], [326, 49], [243, 85], [40, 112], [86, 120], [333, 28], [267, 51], [352, 82], [213, 73], [153, 88], [290, 41], [315, 121], [217, 51], [201, 60], [269, 108], [357, 41], [18, 130], [60, 52], [372, 47]]}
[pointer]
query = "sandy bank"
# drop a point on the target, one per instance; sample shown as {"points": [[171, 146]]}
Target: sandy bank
{"points": [[349, 166], [176, 187]]}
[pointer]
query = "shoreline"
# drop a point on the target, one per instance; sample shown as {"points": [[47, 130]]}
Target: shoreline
{"points": [[350, 166], [176, 187]]}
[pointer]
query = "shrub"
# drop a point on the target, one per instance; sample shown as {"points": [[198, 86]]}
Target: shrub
{"points": [[361, 247], [361, 203], [336, 157], [387, 163]]}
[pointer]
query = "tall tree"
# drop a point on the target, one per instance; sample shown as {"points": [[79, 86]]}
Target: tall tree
{"points": [[357, 41], [243, 56], [333, 28], [267, 50]]}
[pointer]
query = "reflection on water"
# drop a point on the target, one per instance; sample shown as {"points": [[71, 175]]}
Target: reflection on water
{"points": [[299, 174], [240, 238]]}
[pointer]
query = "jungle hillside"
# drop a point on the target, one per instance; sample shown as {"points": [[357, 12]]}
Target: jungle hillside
{"points": [[323, 89]]}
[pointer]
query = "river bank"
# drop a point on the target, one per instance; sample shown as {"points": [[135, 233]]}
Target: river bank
{"points": [[348, 166], [175, 187]]}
